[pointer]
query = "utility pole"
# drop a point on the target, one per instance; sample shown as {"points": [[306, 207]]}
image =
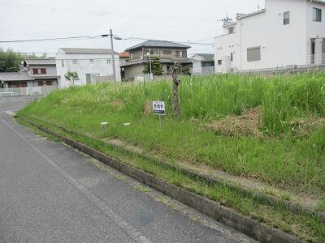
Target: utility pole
{"points": [[150, 62], [149, 59], [113, 55]]}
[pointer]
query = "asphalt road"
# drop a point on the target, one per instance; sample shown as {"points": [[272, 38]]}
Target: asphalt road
{"points": [[50, 192]]}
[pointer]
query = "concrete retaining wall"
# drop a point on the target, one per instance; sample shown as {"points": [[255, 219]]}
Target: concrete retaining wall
{"points": [[15, 100]]}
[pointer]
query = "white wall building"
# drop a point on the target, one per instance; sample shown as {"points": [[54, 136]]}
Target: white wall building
{"points": [[92, 65], [285, 33], [203, 63]]}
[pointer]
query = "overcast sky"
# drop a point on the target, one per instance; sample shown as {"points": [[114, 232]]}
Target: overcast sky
{"points": [[175, 20]]}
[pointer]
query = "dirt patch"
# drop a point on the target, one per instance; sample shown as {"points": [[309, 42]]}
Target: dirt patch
{"points": [[246, 124], [148, 107], [304, 127], [122, 144]]}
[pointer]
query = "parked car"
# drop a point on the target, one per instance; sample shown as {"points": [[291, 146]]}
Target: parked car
{"points": [[6, 94]]}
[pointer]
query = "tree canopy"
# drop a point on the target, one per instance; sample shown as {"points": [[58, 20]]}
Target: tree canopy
{"points": [[71, 76], [156, 67], [10, 60]]}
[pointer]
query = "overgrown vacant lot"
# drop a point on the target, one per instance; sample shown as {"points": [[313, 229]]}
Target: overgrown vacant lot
{"points": [[259, 130], [267, 128]]}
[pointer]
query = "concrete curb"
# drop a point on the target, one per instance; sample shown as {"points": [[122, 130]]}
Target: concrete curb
{"points": [[226, 216], [264, 199]]}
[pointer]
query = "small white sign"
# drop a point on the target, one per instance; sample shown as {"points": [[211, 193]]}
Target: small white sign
{"points": [[158, 107]]}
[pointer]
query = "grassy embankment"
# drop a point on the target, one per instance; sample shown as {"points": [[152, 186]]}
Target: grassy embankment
{"points": [[267, 129]]}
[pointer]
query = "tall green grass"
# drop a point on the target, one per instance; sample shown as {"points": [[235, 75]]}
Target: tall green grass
{"points": [[279, 158]]}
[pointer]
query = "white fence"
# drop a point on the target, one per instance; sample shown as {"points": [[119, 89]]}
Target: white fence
{"points": [[317, 59], [205, 71], [31, 91]]}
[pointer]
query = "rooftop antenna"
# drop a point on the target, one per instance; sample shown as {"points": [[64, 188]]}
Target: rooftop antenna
{"points": [[225, 20]]}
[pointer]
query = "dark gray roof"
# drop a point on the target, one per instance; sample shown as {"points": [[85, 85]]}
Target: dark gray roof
{"points": [[15, 76], [207, 57], [163, 61], [43, 77], [48, 61], [87, 51], [158, 43]]}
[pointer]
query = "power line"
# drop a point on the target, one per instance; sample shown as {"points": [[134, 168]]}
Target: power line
{"points": [[94, 37], [52, 39]]}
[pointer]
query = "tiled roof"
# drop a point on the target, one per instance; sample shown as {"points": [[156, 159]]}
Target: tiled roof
{"points": [[43, 77], [39, 61], [124, 54], [87, 51], [15, 76], [158, 43]]}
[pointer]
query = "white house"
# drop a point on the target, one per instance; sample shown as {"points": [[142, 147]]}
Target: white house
{"points": [[92, 65], [285, 33], [203, 63]]}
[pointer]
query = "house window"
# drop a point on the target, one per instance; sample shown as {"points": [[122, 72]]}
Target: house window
{"points": [[109, 61], [91, 61], [155, 53], [232, 56], [181, 54], [231, 30], [317, 15], [62, 63], [40, 83], [75, 61], [39, 70], [286, 18], [254, 54], [219, 62], [167, 52], [178, 54]]}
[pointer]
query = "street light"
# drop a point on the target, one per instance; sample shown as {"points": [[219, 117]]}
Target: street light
{"points": [[112, 49]]}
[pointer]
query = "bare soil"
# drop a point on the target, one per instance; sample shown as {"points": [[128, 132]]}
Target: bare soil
{"points": [[246, 124]]}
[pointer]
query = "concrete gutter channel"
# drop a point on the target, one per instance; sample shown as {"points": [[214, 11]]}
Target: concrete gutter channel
{"points": [[226, 216]]}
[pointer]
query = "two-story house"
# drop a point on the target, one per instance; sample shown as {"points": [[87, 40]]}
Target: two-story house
{"points": [[43, 71], [286, 33], [167, 51], [91, 65], [33, 73]]}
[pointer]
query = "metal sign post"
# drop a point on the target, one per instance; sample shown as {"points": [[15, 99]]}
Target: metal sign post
{"points": [[159, 109]]}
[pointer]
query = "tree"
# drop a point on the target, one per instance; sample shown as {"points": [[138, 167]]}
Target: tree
{"points": [[71, 76], [10, 60], [176, 82], [156, 67]]}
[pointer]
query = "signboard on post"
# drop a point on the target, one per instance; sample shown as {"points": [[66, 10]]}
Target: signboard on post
{"points": [[158, 108]]}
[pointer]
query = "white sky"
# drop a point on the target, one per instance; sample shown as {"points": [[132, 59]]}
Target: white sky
{"points": [[175, 20]]}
